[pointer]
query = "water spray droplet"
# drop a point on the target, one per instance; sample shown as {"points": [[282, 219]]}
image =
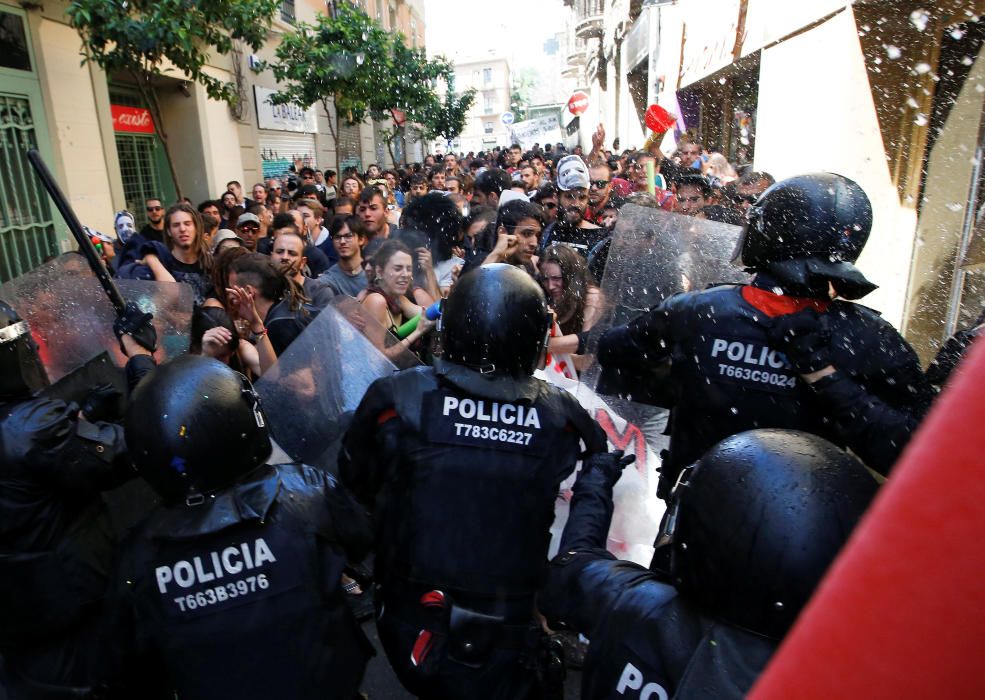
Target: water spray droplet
{"points": [[892, 51], [920, 19]]}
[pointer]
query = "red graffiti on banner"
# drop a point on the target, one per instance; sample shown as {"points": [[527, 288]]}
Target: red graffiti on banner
{"points": [[132, 119], [621, 440]]}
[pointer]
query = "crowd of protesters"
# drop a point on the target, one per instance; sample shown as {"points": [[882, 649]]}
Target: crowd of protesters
{"points": [[262, 262]]}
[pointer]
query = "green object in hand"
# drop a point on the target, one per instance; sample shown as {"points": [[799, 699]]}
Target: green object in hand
{"points": [[408, 327]]}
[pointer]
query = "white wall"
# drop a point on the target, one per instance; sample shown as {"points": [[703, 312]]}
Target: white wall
{"points": [[816, 113]]}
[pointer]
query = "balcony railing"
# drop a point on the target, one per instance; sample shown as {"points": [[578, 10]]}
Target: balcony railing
{"points": [[589, 16], [576, 53]]}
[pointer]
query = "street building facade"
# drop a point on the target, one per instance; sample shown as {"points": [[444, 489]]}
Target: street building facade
{"points": [[96, 133], [890, 94]]}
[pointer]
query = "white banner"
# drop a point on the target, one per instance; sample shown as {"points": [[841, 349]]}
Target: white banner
{"points": [[638, 511], [543, 130], [283, 117]]}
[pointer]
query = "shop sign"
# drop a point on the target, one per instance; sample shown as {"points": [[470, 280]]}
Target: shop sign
{"points": [[135, 120], [283, 117]]}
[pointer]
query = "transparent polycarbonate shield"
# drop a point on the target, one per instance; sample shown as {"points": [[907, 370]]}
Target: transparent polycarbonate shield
{"points": [[655, 254], [72, 320], [321, 378]]}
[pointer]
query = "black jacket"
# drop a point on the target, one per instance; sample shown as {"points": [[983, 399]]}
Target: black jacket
{"points": [[241, 596], [722, 376], [462, 472], [646, 640], [57, 542]]}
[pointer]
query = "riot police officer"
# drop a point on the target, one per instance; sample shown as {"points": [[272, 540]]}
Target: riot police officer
{"points": [[56, 537], [234, 584], [783, 351], [461, 464], [753, 525]]}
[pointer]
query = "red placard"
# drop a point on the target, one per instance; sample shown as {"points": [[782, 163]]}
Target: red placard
{"points": [[132, 119], [578, 102]]}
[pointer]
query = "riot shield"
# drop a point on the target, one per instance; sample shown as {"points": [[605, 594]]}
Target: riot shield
{"points": [[655, 254], [72, 322], [320, 379]]}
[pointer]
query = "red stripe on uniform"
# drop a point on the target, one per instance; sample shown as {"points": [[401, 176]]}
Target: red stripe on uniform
{"points": [[779, 304]]}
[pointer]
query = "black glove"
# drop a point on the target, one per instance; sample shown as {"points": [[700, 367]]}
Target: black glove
{"points": [[610, 464], [804, 338], [137, 324], [102, 404]]}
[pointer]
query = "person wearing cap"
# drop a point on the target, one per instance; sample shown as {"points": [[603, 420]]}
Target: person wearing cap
{"points": [[571, 227], [224, 240], [248, 229]]}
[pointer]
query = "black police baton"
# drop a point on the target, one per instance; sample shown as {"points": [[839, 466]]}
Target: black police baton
{"points": [[85, 245]]}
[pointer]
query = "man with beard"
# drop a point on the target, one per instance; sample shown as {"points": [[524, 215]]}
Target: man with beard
{"points": [[248, 229], [259, 193], [153, 230], [600, 187], [288, 253], [418, 187], [571, 227], [529, 178]]}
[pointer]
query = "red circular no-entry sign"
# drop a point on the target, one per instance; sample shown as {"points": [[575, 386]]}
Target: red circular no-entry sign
{"points": [[578, 102]]}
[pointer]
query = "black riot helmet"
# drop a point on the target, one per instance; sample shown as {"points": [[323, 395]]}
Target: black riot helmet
{"points": [[496, 321], [21, 371], [754, 524], [808, 230], [195, 426]]}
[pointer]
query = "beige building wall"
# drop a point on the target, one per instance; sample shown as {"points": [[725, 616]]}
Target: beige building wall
{"points": [[73, 122], [950, 170], [492, 99]]}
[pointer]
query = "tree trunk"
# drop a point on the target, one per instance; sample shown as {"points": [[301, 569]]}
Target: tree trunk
{"points": [[149, 95], [389, 148], [333, 129]]}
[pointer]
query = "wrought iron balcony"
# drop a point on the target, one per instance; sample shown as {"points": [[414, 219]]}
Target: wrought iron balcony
{"points": [[576, 53], [589, 18]]}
